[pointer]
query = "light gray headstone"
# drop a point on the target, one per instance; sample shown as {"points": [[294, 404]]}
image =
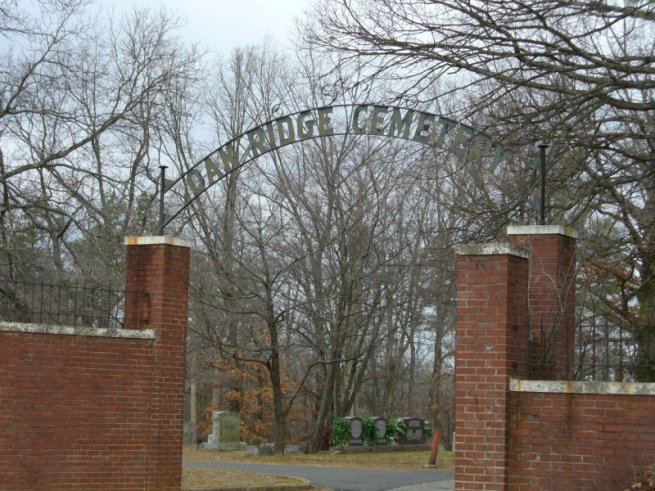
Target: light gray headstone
{"points": [[227, 427], [226, 432], [356, 430]]}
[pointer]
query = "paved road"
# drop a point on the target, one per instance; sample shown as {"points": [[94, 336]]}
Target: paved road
{"points": [[344, 479]]}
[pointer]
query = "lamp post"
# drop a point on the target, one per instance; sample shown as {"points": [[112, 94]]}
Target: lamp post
{"points": [[162, 183], [542, 171]]}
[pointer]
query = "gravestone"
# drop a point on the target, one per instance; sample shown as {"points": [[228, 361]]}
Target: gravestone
{"points": [[356, 430], [259, 450], [267, 449], [295, 449], [415, 431], [226, 432]]}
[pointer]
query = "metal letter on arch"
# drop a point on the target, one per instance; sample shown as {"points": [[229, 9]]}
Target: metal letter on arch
{"points": [[461, 140]]}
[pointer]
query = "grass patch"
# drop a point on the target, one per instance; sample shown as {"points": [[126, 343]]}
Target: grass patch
{"points": [[199, 479], [399, 460]]}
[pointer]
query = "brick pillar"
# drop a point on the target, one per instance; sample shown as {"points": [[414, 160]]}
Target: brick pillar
{"points": [[551, 298], [491, 348], [157, 283]]}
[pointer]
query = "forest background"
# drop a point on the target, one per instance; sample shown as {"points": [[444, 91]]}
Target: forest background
{"points": [[323, 272]]}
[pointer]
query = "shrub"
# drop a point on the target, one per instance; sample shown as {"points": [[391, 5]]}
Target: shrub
{"points": [[429, 431], [369, 432], [340, 435], [395, 429]]}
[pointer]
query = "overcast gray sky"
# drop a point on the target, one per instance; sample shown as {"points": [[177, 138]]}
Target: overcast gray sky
{"points": [[221, 25]]}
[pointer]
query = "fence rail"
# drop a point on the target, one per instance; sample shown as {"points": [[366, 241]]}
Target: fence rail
{"points": [[62, 304]]}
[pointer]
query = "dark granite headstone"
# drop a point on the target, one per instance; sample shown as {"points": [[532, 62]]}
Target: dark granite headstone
{"points": [[415, 431]]}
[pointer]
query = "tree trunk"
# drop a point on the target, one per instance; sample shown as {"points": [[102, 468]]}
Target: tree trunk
{"points": [[326, 402], [193, 412], [279, 416], [437, 367], [279, 434]]}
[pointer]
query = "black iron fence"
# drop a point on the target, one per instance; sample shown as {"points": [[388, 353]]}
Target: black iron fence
{"points": [[62, 304], [615, 353], [601, 352]]}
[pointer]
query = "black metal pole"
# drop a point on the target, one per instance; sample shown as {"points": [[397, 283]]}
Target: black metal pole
{"points": [[162, 183], [542, 172]]}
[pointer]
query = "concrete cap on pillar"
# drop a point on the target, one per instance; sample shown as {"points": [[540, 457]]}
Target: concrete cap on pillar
{"points": [[156, 240], [490, 249], [542, 230]]}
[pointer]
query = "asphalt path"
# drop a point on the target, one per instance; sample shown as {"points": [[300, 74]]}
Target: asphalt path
{"points": [[346, 479]]}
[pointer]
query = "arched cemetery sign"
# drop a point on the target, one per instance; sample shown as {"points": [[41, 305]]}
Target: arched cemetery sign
{"points": [[459, 139]]}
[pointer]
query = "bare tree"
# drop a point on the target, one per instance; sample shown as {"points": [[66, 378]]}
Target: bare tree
{"points": [[79, 105], [576, 74]]}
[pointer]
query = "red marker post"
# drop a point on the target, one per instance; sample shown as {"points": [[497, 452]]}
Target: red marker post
{"points": [[436, 441]]}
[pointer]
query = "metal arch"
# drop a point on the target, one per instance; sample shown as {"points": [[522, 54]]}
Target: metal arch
{"points": [[427, 128]]}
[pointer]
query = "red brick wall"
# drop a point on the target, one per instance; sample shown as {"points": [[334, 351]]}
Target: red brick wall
{"points": [[157, 281], [491, 347], [561, 435], [551, 298], [95, 412], [74, 412], [579, 441]]}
